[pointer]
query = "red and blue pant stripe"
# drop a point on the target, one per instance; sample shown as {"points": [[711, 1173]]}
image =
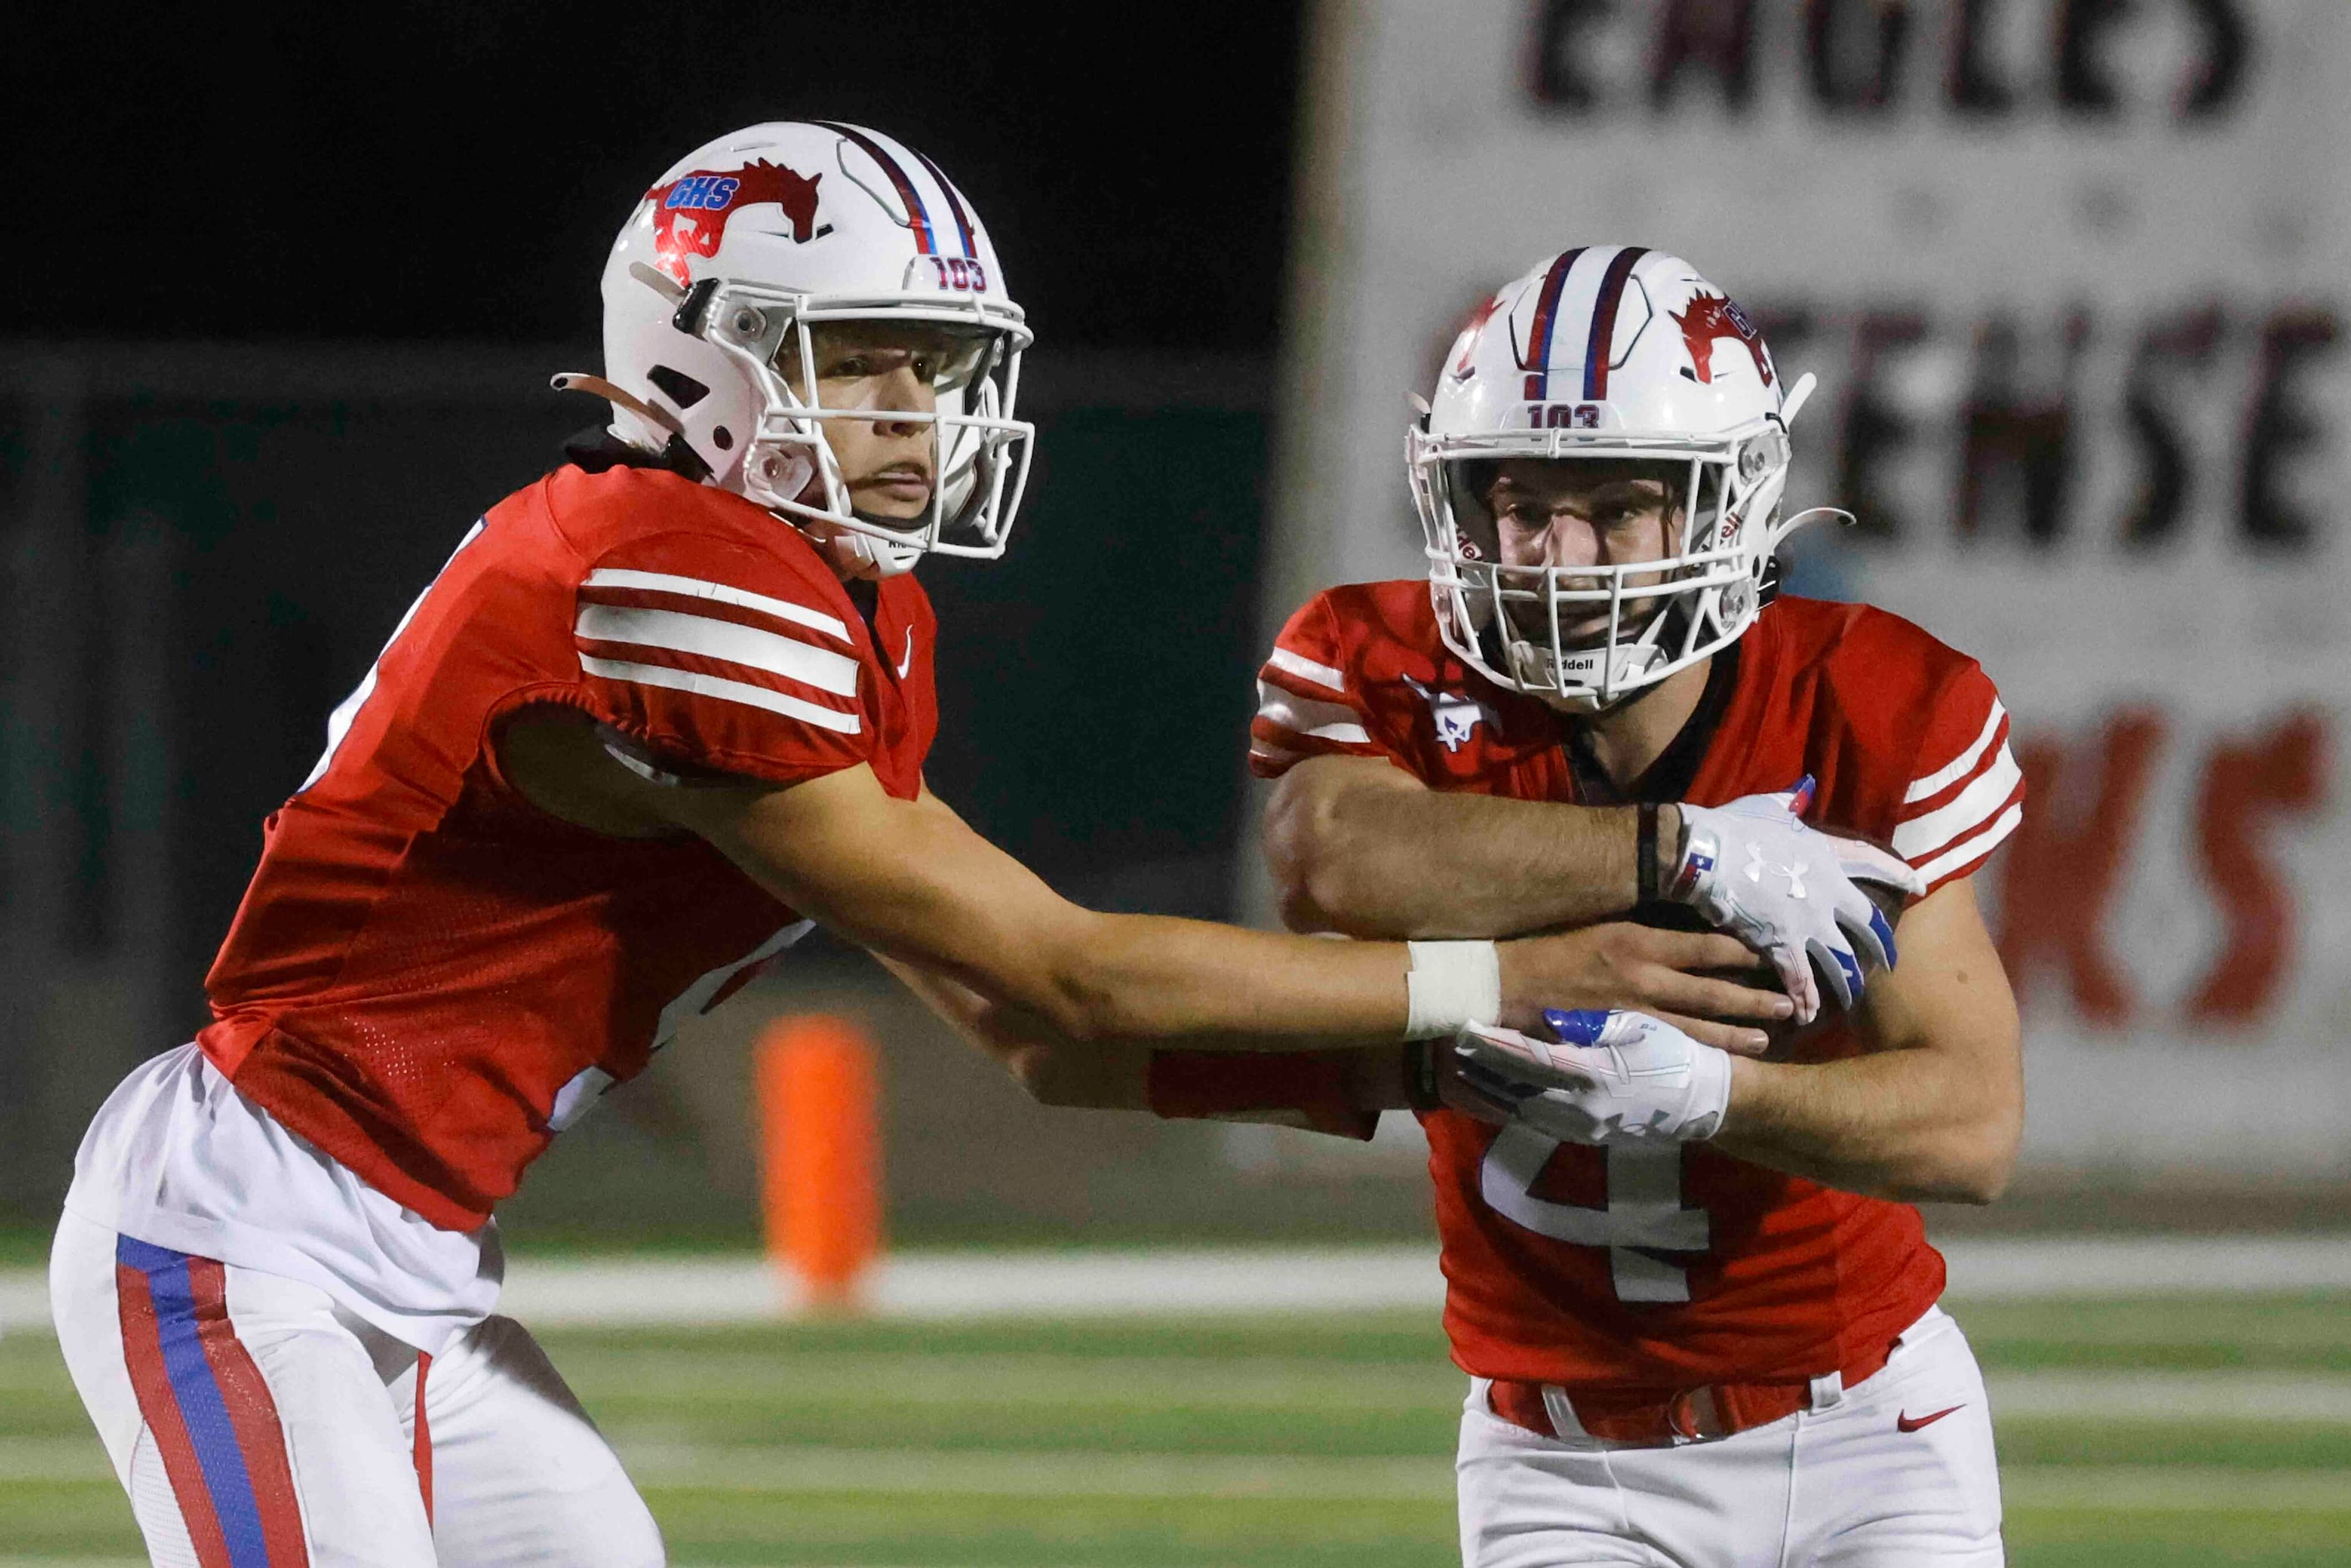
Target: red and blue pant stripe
{"points": [[215, 1422]]}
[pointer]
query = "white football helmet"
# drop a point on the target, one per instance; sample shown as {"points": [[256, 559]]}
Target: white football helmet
{"points": [[1605, 351], [735, 254]]}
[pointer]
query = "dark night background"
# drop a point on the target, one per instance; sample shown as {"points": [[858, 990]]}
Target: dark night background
{"points": [[456, 170], [282, 291]]}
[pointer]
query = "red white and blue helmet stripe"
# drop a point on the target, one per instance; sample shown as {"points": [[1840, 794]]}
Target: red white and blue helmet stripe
{"points": [[887, 156], [1538, 358], [1615, 264], [955, 202]]}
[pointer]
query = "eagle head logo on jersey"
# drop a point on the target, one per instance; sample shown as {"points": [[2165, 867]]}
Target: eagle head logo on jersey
{"points": [[1455, 713], [1709, 317], [690, 213]]}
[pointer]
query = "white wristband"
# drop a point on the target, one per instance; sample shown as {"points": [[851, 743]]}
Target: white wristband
{"points": [[1451, 985]]}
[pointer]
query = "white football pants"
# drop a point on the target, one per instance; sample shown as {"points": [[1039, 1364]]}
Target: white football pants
{"points": [[255, 1423], [1899, 1473]]}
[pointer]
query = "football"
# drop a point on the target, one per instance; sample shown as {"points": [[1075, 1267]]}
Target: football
{"points": [[1789, 1039]]}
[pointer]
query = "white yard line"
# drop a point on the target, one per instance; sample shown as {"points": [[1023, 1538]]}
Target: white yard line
{"points": [[955, 1285], [998, 1473], [25, 1460], [654, 1290], [2165, 1488], [1182, 1281], [2321, 1398], [2026, 1267], [741, 1467]]}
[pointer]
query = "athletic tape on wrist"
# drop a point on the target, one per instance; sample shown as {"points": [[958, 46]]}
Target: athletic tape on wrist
{"points": [[1451, 984]]}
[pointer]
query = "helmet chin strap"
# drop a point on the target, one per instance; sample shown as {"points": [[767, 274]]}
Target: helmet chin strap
{"points": [[1529, 664], [855, 557]]}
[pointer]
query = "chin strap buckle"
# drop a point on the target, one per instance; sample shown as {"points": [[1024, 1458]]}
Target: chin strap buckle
{"points": [[687, 316]]}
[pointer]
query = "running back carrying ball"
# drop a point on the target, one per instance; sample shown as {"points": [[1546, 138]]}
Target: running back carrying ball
{"points": [[1790, 1036]]}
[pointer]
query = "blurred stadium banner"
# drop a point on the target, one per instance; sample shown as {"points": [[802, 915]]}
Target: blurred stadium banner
{"points": [[2073, 278]]}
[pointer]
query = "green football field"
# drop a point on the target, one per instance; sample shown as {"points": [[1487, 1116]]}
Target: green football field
{"points": [[2142, 1433]]}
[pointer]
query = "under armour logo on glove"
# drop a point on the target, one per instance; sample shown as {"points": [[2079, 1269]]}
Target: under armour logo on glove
{"points": [[1757, 865]]}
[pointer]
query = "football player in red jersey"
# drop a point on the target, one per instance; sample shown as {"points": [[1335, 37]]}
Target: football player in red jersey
{"points": [[662, 711], [1697, 1308]]}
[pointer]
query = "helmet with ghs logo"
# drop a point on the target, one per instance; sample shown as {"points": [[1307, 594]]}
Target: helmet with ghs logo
{"points": [[750, 244], [1615, 354]]}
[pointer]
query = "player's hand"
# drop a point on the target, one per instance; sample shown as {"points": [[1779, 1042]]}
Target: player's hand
{"points": [[1666, 974], [1611, 1078], [1753, 869]]}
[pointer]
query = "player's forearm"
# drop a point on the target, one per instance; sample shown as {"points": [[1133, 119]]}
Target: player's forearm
{"points": [[1341, 1092], [1053, 1066], [1038, 969], [1151, 979], [910, 881], [1920, 1126], [1387, 863]]}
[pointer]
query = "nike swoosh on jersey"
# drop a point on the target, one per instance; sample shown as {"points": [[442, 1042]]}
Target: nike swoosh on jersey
{"points": [[1907, 1423], [908, 662]]}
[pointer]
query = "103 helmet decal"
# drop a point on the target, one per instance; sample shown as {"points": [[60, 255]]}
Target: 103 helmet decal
{"points": [[713, 293], [1606, 352]]}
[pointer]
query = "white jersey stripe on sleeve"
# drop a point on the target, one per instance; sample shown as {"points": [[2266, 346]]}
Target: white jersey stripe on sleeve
{"points": [[1982, 843], [1967, 809], [727, 640], [1943, 777], [1306, 669], [1304, 716], [724, 691], [665, 583]]}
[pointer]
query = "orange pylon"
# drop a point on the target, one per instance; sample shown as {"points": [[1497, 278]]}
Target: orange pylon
{"points": [[820, 1165]]}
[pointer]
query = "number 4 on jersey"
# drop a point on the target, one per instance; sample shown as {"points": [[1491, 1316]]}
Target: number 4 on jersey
{"points": [[1644, 1217]]}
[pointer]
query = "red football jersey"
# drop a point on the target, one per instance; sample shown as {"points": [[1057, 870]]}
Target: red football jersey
{"points": [[429, 976], [1677, 1266]]}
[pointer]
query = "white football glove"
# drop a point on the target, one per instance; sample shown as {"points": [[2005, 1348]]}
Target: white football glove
{"points": [[1614, 1078], [1753, 869]]}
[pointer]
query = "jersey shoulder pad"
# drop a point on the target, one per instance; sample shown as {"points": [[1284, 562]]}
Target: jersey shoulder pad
{"points": [[719, 643], [1932, 729], [1311, 687]]}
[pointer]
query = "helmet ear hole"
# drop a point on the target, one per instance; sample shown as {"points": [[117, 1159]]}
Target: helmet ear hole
{"points": [[678, 387]]}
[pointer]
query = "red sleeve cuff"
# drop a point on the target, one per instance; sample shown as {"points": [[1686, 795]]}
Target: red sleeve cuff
{"points": [[1186, 1084]]}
